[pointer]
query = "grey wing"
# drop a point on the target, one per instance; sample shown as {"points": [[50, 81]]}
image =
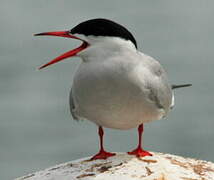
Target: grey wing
{"points": [[72, 107], [160, 91]]}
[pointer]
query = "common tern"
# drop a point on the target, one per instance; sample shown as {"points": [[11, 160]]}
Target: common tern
{"points": [[116, 86]]}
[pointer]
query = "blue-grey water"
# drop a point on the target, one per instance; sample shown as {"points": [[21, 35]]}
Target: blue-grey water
{"points": [[36, 129]]}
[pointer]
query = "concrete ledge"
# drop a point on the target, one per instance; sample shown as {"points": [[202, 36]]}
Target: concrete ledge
{"points": [[125, 167]]}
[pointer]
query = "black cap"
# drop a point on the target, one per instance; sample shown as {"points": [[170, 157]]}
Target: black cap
{"points": [[103, 27]]}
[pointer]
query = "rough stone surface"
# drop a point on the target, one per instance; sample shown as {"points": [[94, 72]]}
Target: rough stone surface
{"points": [[125, 167]]}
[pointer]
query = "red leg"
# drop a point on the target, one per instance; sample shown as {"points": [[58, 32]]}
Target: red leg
{"points": [[102, 154], [139, 152]]}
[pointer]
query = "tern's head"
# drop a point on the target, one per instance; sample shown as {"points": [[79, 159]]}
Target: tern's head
{"points": [[94, 33]]}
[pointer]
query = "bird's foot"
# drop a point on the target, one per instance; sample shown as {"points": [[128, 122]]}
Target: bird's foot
{"points": [[102, 155], [139, 152]]}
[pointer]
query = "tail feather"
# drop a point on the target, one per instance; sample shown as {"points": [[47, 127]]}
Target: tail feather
{"points": [[181, 86]]}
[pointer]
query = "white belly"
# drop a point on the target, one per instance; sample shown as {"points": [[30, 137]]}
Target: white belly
{"points": [[106, 95]]}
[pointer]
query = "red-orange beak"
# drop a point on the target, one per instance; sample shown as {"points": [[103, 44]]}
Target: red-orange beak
{"points": [[67, 54]]}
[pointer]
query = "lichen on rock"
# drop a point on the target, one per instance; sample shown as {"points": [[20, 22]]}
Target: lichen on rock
{"points": [[125, 167]]}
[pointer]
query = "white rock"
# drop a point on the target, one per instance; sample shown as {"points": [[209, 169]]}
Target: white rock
{"points": [[125, 167]]}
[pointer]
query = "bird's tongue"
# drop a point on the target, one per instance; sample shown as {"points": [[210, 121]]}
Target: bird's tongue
{"points": [[67, 54]]}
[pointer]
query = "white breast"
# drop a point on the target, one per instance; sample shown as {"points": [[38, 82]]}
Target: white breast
{"points": [[107, 93]]}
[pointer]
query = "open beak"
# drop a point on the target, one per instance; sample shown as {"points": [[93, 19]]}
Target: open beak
{"points": [[68, 54]]}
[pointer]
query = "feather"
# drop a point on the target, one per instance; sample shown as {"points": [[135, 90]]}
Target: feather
{"points": [[181, 86]]}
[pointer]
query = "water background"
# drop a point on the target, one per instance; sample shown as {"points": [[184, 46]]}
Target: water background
{"points": [[36, 130]]}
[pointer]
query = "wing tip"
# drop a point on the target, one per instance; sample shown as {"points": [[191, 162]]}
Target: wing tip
{"points": [[181, 86]]}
